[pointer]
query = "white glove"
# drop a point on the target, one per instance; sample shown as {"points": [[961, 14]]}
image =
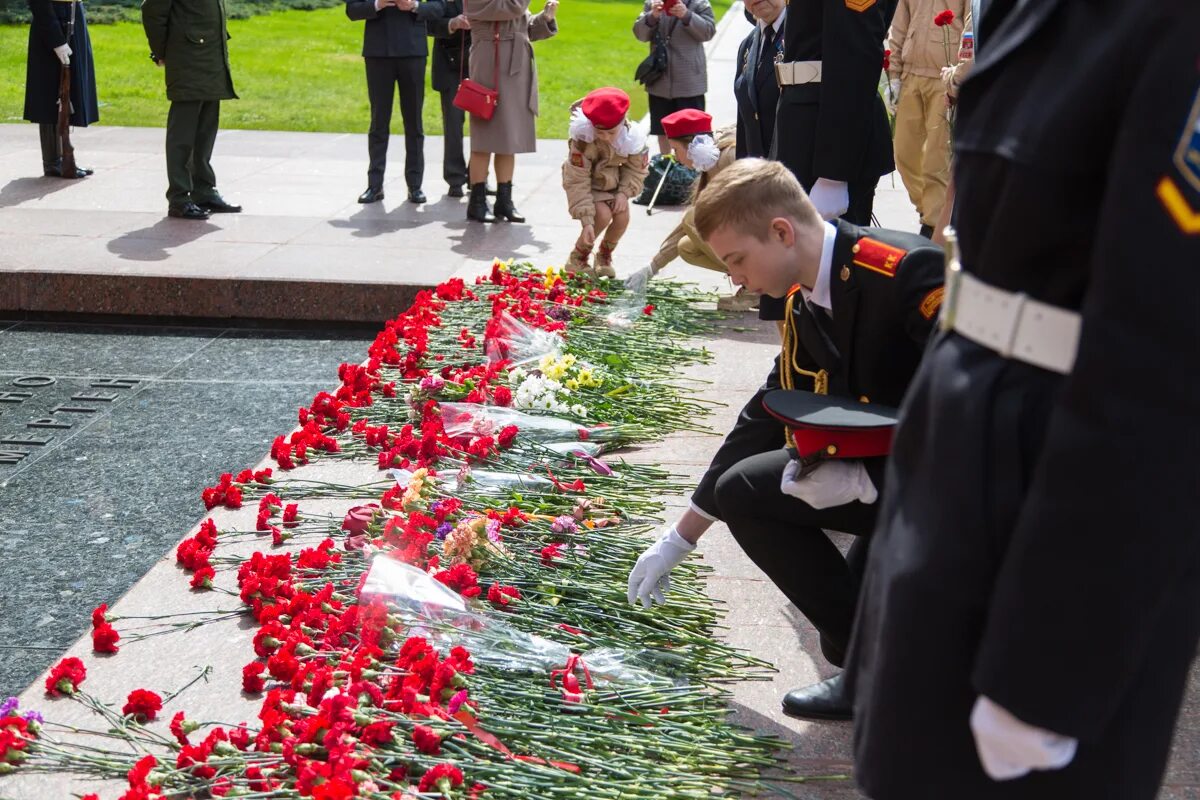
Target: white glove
{"points": [[636, 283], [832, 483], [63, 51], [832, 198], [650, 576], [893, 94], [1009, 748]]}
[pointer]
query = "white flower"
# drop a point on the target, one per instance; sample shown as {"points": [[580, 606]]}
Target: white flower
{"points": [[578, 410]]}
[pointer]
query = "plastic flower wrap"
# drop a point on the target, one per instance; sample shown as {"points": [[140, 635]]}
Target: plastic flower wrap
{"points": [[509, 339], [469, 419]]}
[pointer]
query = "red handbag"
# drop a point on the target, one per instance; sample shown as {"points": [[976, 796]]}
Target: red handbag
{"points": [[472, 96]]}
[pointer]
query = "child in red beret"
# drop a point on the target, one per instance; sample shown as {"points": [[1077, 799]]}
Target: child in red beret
{"points": [[606, 165]]}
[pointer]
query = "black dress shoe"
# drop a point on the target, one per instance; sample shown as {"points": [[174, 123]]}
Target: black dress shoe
{"points": [[371, 195], [217, 205], [188, 211], [824, 700], [56, 172], [455, 191], [926, 231], [416, 196]]}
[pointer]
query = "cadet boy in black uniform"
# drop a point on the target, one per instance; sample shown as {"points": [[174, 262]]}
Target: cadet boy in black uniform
{"points": [[1032, 601], [857, 323]]}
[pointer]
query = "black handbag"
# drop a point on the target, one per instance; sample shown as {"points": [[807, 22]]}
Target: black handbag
{"points": [[653, 66]]}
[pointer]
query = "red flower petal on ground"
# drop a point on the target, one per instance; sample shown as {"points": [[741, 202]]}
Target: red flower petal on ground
{"points": [[142, 704], [105, 638]]}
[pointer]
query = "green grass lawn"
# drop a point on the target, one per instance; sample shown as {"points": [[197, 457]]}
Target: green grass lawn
{"points": [[301, 70]]}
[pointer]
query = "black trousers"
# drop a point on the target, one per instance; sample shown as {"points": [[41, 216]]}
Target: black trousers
{"points": [[784, 536], [454, 163], [383, 76], [191, 134]]}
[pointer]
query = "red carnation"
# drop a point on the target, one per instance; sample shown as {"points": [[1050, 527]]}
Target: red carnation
{"points": [[943, 18], [203, 578], [252, 680], [502, 596], [887, 60], [507, 435], [105, 638], [143, 705], [549, 553], [100, 615], [442, 777], [649, 309], [65, 677], [427, 740]]}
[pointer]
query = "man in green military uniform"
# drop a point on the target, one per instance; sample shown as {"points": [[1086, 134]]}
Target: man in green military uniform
{"points": [[189, 38]]}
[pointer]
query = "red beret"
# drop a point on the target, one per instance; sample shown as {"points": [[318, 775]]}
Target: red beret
{"points": [[686, 122], [606, 107]]}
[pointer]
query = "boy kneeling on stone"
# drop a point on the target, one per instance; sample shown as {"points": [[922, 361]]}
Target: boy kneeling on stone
{"points": [[606, 165]]}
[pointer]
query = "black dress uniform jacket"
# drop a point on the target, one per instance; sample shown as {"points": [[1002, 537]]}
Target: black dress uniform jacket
{"points": [[47, 31], [451, 51], [870, 348], [391, 33], [1037, 542], [837, 128], [757, 93]]}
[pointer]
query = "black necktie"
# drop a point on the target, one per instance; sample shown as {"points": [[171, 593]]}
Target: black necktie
{"points": [[766, 53]]}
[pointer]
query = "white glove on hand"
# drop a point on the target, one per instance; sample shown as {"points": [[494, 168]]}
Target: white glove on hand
{"points": [[650, 576], [893, 94], [636, 283], [1009, 748], [832, 483], [832, 198], [63, 51]]}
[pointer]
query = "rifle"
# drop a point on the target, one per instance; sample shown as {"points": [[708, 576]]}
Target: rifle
{"points": [[67, 165]]}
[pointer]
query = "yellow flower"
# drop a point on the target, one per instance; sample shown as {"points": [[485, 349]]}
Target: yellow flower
{"points": [[568, 360], [572, 384], [545, 362]]}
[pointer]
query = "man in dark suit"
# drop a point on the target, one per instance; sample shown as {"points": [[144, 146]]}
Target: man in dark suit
{"points": [[832, 128], [394, 50], [451, 33], [755, 86], [855, 329]]}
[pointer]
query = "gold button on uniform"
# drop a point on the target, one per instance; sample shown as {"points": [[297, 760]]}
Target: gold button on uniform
{"points": [[844, 274], [864, 399], [856, 248]]}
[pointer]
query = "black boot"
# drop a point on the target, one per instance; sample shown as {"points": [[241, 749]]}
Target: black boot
{"points": [[504, 205], [477, 206]]}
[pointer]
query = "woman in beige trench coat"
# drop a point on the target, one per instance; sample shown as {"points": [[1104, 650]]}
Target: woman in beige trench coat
{"points": [[508, 25]]}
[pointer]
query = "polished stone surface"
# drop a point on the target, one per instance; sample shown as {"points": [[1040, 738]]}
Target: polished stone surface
{"points": [[135, 422]]}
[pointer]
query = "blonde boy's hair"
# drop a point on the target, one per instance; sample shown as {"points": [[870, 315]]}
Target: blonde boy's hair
{"points": [[747, 195]]}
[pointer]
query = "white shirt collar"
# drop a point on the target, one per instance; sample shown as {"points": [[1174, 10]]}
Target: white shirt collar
{"points": [[820, 292], [777, 25]]}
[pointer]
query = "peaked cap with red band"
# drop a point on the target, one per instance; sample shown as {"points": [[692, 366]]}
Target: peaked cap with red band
{"points": [[606, 107], [835, 427], [686, 122]]}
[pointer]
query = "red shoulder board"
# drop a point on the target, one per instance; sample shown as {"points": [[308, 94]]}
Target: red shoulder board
{"points": [[876, 256]]}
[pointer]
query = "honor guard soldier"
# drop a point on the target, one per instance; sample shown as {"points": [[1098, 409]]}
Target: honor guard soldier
{"points": [[58, 39], [1032, 601], [864, 303]]}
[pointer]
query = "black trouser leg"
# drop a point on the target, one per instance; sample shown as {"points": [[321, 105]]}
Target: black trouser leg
{"points": [[204, 180], [410, 75], [381, 82], [51, 156], [862, 201], [183, 119], [784, 536], [454, 162]]}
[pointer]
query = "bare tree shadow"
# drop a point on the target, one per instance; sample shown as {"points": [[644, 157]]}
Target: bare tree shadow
{"points": [[153, 243], [19, 190]]}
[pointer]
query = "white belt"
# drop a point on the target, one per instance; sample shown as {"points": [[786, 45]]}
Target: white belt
{"points": [[1010, 323], [792, 73]]}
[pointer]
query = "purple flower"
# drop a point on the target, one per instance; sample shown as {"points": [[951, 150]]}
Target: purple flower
{"points": [[493, 531], [9, 706], [432, 384], [558, 311], [33, 716], [443, 530], [564, 524]]}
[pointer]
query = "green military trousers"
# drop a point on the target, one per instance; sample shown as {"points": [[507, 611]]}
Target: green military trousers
{"points": [[191, 133]]}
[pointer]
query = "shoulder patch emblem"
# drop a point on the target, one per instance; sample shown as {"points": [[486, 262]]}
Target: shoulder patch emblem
{"points": [[878, 257], [932, 302], [577, 159], [1187, 152], [859, 5]]}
